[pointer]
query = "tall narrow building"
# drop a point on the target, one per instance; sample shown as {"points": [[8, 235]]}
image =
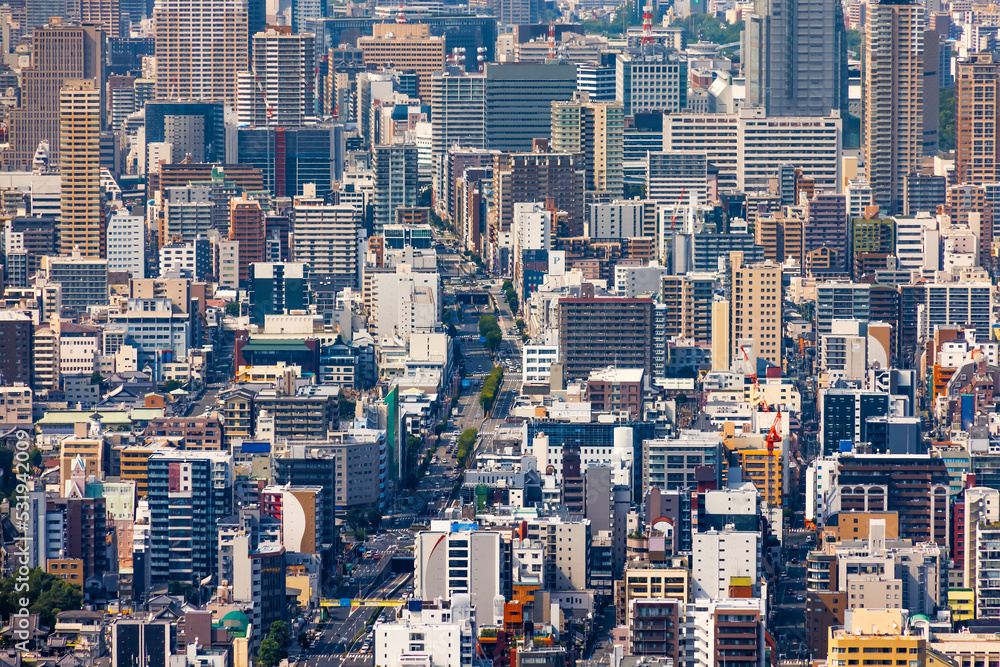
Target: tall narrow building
{"points": [[395, 182], [279, 90], [246, 225], [755, 309], [796, 57], [977, 105], [80, 164], [892, 109], [595, 129], [60, 52], [200, 49], [458, 118]]}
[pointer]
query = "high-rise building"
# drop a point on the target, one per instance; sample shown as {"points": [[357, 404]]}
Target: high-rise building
{"points": [[407, 46], [292, 157], [279, 89], [60, 53], [395, 181], [201, 47], [79, 160], [246, 225], [796, 57], [597, 332], [106, 14], [892, 108], [977, 119], [38, 13], [654, 80], [521, 12], [519, 99], [15, 347], [458, 117], [277, 288], [825, 230], [126, 243], [188, 493], [677, 177], [328, 238], [755, 315], [527, 177], [595, 129]]}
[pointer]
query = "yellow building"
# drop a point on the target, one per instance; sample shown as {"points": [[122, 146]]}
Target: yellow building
{"points": [[90, 450], [764, 470], [870, 637], [962, 604], [755, 318], [80, 165], [405, 47], [135, 464], [646, 583]]}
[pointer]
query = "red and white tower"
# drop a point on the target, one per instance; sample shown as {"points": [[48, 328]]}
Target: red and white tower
{"points": [[647, 24], [552, 40]]}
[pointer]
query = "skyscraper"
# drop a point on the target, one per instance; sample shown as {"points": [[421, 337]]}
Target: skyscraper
{"points": [[200, 49], [458, 117], [61, 52], [327, 238], [796, 57], [279, 90], [755, 309], [893, 74], [246, 225], [519, 100], [517, 12], [395, 181], [595, 129], [80, 164], [977, 105]]}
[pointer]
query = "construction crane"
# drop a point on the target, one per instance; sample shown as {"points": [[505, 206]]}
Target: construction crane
{"points": [[673, 218], [774, 434]]}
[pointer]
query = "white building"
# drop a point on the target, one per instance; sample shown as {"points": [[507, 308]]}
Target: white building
{"points": [[228, 269], [917, 242], [126, 244], [438, 634], [748, 147], [633, 281], [330, 239], [405, 302], [721, 556], [702, 631], [859, 196], [455, 559], [821, 487], [617, 220], [279, 89], [536, 362]]}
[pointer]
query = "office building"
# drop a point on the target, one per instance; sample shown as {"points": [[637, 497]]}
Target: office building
{"points": [[796, 58], [519, 99], [538, 177], [442, 632], [597, 332], [140, 643], [405, 302], [840, 301], [15, 347], [60, 53], [278, 288], [83, 281], [328, 239], [521, 12], [677, 178], [201, 47], [597, 79], [396, 183], [892, 122], [595, 129], [672, 464], [458, 117], [79, 163], [923, 193], [405, 47], [459, 561], [651, 80], [188, 492], [279, 89], [195, 128], [756, 310], [126, 244], [824, 232], [304, 467], [312, 154], [246, 226], [977, 119]]}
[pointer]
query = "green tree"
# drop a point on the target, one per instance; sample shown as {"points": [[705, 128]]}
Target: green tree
{"points": [[269, 654], [854, 43], [413, 442], [233, 309], [281, 633], [946, 119], [345, 409], [708, 28], [170, 385], [48, 596], [374, 518]]}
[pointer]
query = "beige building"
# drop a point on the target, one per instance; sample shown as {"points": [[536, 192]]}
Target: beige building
{"points": [[756, 310], [977, 88], [80, 163], [650, 583], [60, 53], [405, 47], [595, 129], [279, 89], [201, 47], [892, 109]]}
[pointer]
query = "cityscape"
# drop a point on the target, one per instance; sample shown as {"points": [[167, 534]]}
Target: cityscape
{"points": [[499, 333]]}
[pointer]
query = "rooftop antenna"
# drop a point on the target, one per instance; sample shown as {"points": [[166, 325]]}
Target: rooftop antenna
{"points": [[647, 24], [552, 40], [400, 16]]}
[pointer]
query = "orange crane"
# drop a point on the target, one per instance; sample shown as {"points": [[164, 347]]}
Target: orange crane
{"points": [[673, 218], [774, 434]]}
